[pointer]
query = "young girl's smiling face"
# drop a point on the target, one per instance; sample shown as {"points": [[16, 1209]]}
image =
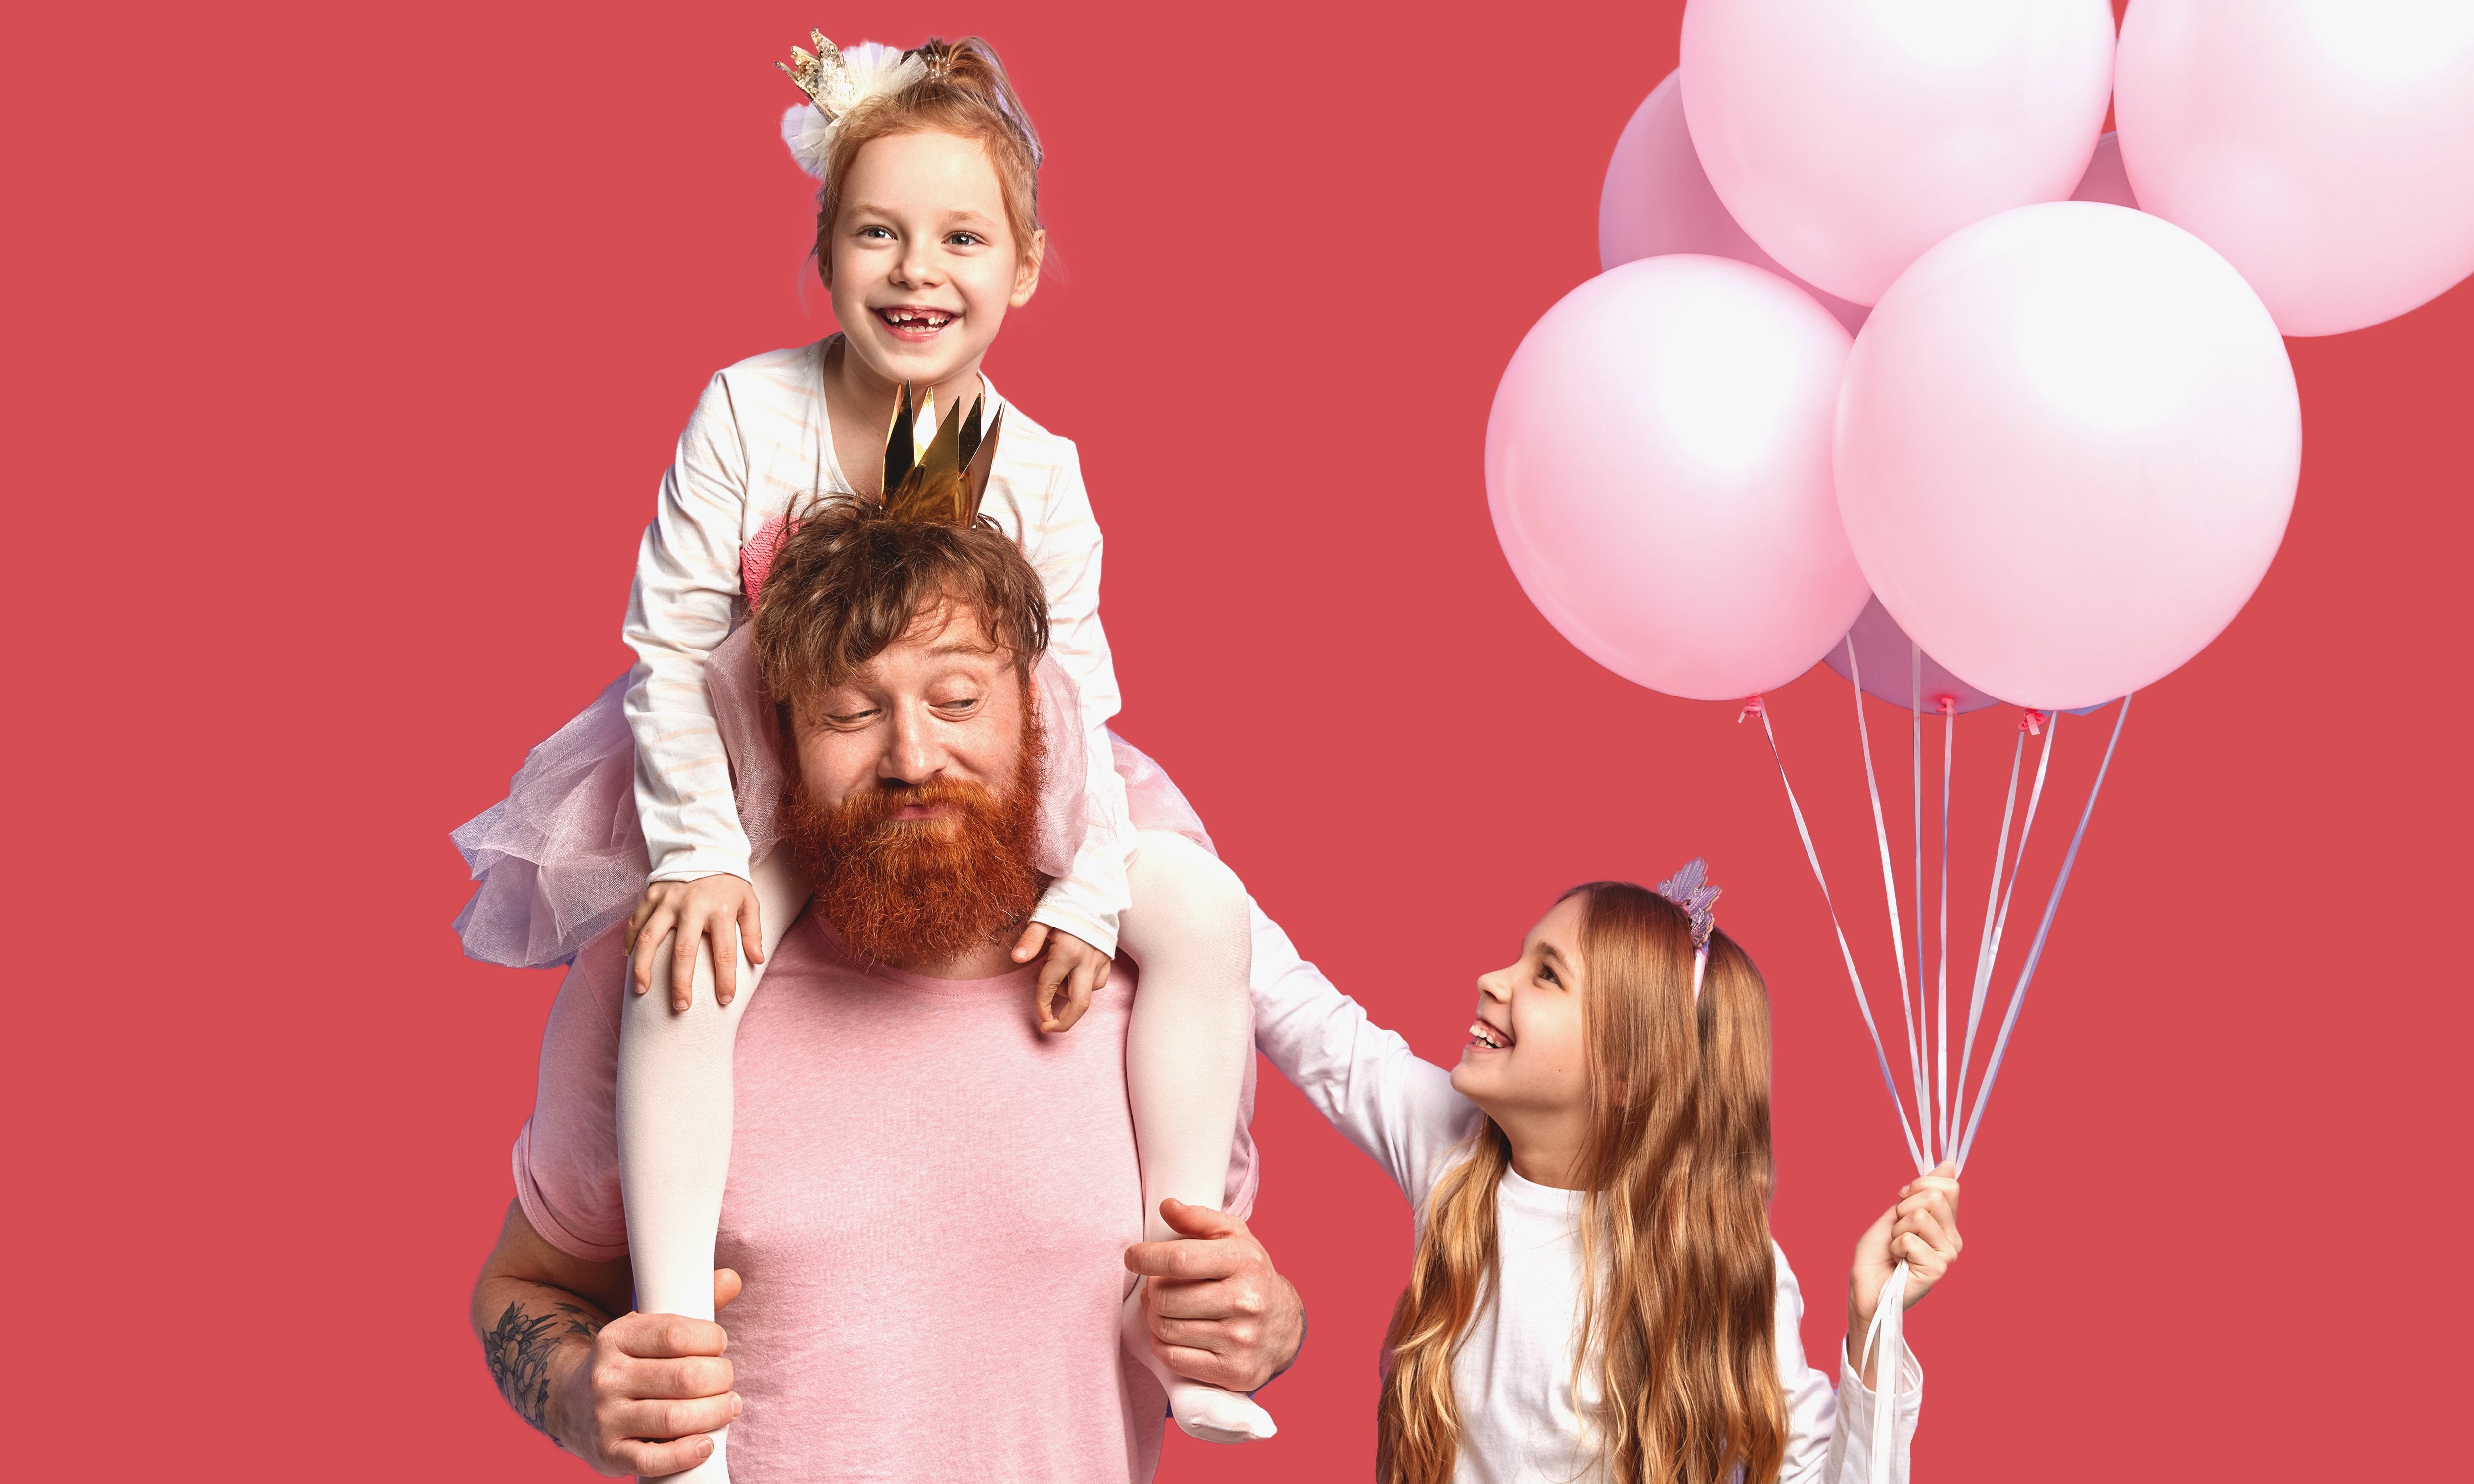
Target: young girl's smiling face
{"points": [[1526, 1063], [922, 262]]}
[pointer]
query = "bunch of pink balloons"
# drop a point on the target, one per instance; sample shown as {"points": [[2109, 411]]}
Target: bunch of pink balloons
{"points": [[2062, 448]]}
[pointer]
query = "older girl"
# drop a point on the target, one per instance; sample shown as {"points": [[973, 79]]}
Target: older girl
{"points": [[1594, 1294]]}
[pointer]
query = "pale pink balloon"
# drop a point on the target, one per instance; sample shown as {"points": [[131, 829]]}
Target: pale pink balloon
{"points": [[2105, 179], [1657, 201], [1657, 464], [2326, 147], [2067, 448], [1848, 135]]}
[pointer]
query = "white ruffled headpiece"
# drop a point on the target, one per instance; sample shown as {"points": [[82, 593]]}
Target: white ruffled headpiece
{"points": [[836, 82]]}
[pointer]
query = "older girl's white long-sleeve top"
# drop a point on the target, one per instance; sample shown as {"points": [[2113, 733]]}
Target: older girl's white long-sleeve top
{"points": [[758, 445], [1513, 1373]]}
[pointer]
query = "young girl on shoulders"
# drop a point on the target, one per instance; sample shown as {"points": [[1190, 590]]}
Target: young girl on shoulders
{"points": [[661, 797], [1594, 1294]]}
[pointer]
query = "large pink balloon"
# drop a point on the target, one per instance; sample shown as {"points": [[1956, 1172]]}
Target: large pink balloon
{"points": [[2067, 448], [1848, 135], [1657, 462], [2326, 147], [1657, 201]]}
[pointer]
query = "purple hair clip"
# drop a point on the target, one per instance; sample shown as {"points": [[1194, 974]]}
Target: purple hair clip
{"points": [[1690, 889]]}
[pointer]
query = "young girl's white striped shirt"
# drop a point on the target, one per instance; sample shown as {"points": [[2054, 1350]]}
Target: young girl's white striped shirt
{"points": [[758, 445]]}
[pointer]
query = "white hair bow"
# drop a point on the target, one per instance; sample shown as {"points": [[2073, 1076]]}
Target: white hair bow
{"points": [[836, 82]]}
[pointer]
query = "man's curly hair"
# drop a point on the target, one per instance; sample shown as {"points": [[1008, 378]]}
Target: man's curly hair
{"points": [[849, 583]]}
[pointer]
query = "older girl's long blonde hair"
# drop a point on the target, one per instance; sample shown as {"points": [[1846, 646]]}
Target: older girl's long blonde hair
{"points": [[1679, 1317]]}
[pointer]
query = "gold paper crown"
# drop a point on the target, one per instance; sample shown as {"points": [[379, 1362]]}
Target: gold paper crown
{"points": [[825, 78], [945, 485], [835, 81]]}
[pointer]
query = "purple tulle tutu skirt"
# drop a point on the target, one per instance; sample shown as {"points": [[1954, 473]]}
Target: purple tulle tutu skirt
{"points": [[563, 856]]}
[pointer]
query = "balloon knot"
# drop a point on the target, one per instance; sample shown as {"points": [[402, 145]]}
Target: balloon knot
{"points": [[2033, 722], [1752, 710], [1948, 705]]}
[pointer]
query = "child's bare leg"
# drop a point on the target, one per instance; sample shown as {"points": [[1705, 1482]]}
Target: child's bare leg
{"points": [[1190, 933], [674, 1123]]}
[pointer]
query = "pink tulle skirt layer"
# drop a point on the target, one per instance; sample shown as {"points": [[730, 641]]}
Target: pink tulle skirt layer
{"points": [[563, 856]]}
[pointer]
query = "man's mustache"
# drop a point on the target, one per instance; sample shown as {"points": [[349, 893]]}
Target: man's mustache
{"points": [[879, 804]]}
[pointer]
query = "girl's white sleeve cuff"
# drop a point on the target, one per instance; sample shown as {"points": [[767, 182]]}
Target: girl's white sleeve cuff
{"points": [[1074, 905], [1852, 1440], [695, 865]]}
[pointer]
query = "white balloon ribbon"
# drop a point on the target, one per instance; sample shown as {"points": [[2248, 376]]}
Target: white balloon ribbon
{"points": [[1941, 959], [1887, 1341], [1916, 1062], [1755, 708], [2036, 948], [1997, 901]]}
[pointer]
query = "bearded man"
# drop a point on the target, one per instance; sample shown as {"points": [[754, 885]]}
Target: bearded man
{"points": [[933, 1210]]}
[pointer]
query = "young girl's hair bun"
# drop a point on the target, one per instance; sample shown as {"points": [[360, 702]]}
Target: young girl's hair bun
{"points": [[972, 65], [872, 90]]}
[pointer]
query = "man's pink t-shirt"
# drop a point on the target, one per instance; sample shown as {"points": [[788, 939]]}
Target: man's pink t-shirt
{"points": [[929, 1200]]}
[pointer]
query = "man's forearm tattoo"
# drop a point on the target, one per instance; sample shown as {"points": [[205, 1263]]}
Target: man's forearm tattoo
{"points": [[519, 1351]]}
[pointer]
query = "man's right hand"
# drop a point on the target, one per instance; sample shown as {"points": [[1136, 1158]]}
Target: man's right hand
{"points": [[643, 1398]]}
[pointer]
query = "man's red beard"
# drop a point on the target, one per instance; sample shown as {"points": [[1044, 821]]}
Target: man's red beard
{"points": [[920, 892]]}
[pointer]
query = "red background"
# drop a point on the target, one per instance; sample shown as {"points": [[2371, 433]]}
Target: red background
{"points": [[348, 343]]}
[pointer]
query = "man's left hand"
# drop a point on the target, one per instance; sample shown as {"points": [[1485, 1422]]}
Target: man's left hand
{"points": [[1220, 1312]]}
